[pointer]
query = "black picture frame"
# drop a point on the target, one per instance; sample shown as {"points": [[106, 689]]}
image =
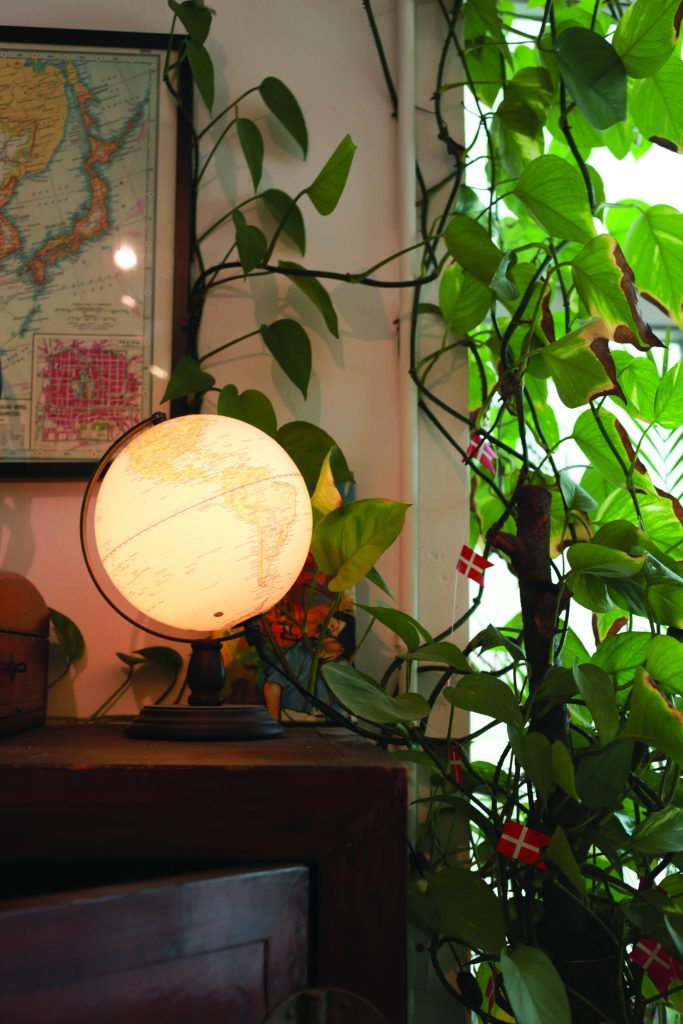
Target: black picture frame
{"points": [[162, 340]]}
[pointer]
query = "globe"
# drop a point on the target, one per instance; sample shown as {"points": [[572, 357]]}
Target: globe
{"points": [[202, 522]]}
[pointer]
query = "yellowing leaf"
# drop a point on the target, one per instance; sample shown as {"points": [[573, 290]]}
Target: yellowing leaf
{"points": [[581, 365], [605, 282], [654, 721], [347, 542], [325, 497]]}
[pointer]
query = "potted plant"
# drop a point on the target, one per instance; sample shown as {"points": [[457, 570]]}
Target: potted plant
{"points": [[547, 880]]}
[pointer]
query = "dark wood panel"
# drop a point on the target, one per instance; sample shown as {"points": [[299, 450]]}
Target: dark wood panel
{"points": [[317, 796], [228, 947]]}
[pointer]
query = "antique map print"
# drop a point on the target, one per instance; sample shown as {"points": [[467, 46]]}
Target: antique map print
{"points": [[78, 168]]}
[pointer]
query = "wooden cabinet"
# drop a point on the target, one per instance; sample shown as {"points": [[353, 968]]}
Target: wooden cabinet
{"points": [[226, 947], [81, 805]]}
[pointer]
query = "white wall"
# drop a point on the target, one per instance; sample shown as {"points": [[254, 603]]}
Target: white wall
{"points": [[323, 50]]}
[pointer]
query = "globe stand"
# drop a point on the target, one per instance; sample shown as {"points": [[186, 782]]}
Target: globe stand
{"points": [[205, 717]]}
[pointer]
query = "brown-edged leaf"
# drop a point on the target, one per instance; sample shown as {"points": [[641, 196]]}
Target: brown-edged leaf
{"points": [[605, 283], [581, 365]]}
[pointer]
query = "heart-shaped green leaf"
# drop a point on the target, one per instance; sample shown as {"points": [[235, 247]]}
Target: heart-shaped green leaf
{"points": [[534, 753], [325, 192], [597, 690], [581, 365], [563, 769], [502, 284], [187, 378], [621, 654], [490, 639], [201, 67], [654, 248], [251, 406], [325, 497], [594, 75], [411, 632], [516, 133], [661, 832], [669, 398], [363, 697], [602, 775], [554, 192], [131, 660], [468, 909], [314, 290], [251, 142], [68, 634], [646, 36], [606, 562], [165, 657], [464, 301], [196, 18], [283, 104], [656, 104], [601, 453], [605, 283], [485, 695], [560, 853], [470, 245], [665, 663], [285, 211], [534, 987], [251, 243], [443, 652], [654, 721], [290, 347], [307, 445], [348, 541]]}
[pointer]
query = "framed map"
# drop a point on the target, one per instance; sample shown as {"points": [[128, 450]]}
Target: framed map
{"points": [[94, 242]]}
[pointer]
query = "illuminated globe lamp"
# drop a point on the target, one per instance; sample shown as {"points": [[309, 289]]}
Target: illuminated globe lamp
{"points": [[191, 527]]}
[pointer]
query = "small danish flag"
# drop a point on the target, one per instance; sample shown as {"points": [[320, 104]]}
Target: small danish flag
{"points": [[481, 450], [656, 962], [472, 565], [523, 843], [455, 761], [491, 991]]}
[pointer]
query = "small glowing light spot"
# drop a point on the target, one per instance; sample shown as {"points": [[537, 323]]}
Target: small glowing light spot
{"points": [[129, 301], [158, 371], [125, 258]]}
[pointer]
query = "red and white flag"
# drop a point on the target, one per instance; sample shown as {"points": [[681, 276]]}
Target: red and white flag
{"points": [[472, 565], [523, 843], [455, 761], [659, 965], [480, 449], [491, 991]]}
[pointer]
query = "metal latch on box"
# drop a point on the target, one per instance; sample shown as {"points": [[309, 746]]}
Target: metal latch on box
{"points": [[326, 1006], [12, 666]]}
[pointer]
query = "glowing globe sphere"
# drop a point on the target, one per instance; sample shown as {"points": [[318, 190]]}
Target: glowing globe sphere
{"points": [[202, 522]]}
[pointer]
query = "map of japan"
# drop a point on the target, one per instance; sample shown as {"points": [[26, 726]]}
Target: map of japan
{"points": [[79, 134]]}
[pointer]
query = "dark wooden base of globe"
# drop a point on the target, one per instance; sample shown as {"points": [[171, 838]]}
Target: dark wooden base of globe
{"points": [[226, 722]]}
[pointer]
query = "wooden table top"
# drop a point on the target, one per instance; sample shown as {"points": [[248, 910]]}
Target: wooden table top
{"points": [[77, 744]]}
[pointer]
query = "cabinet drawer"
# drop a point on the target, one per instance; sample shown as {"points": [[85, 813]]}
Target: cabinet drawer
{"points": [[223, 947]]}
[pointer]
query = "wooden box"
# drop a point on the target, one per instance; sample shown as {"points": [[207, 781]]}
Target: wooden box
{"points": [[24, 627]]}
